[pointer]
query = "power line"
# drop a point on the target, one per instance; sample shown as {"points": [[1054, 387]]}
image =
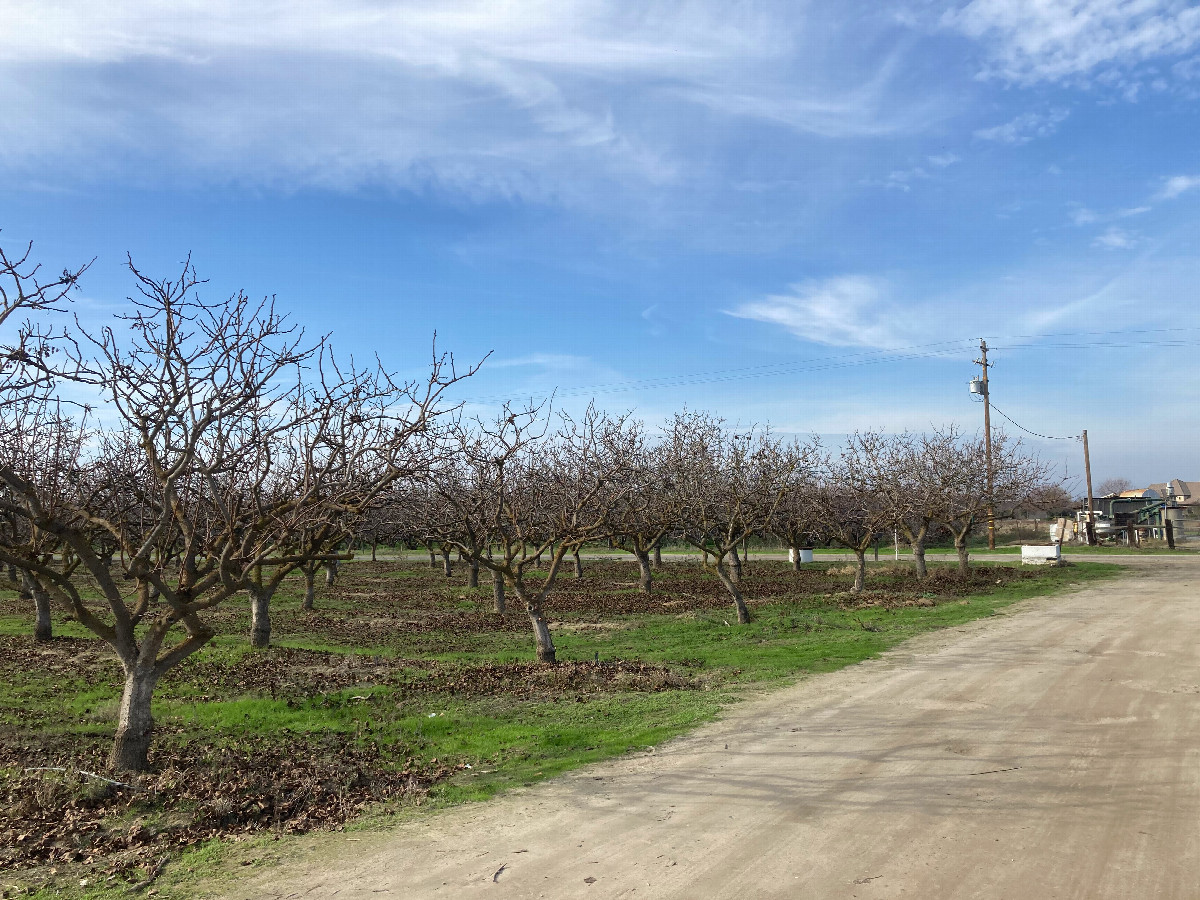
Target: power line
{"points": [[936, 350], [821, 364], [1047, 437]]}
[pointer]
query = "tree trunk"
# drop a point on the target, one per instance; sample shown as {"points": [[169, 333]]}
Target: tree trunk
{"points": [[260, 617], [960, 544], [43, 626], [374, 546], [135, 725], [918, 551], [645, 579], [657, 556], [310, 587], [795, 554], [541, 633], [432, 559], [541, 628], [43, 629], [331, 572], [447, 569], [578, 563], [735, 571], [739, 604], [860, 575], [473, 573], [498, 592]]}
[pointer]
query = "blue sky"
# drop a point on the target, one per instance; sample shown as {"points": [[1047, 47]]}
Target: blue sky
{"points": [[826, 203]]}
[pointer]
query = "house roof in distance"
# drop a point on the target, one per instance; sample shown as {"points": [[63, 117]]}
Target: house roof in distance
{"points": [[1187, 492]]}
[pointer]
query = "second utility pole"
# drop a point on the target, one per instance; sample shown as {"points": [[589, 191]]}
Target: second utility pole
{"points": [[1090, 526], [987, 445]]}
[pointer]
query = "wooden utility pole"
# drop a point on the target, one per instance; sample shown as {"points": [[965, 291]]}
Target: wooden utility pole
{"points": [[987, 444], [1091, 516]]}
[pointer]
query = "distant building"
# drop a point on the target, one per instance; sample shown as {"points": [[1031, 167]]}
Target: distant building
{"points": [[1149, 510]]}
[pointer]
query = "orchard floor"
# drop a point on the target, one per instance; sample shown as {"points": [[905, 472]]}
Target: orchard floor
{"points": [[1050, 751]]}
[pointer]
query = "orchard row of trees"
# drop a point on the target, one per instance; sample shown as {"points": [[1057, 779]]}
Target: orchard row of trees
{"points": [[512, 495], [190, 453]]}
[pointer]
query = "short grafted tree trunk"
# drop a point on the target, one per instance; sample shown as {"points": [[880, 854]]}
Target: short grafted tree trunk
{"points": [[498, 592], [310, 586], [135, 724], [645, 578], [473, 573], [964, 556], [31, 591], [657, 556], [578, 563], [43, 629], [260, 616], [860, 572], [331, 572], [447, 566], [739, 603], [541, 632], [432, 559], [918, 552], [795, 554], [735, 570]]}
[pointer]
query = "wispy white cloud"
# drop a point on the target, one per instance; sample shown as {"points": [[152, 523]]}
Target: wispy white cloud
{"points": [[1179, 184], [556, 362], [532, 99], [941, 160], [1025, 127], [844, 311], [1083, 216], [1029, 41], [1116, 239], [902, 179]]}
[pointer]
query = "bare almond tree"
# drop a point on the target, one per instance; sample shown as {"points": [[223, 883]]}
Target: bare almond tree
{"points": [[910, 486], [723, 486], [641, 515], [1115, 485], [852, 507], [797, 520], [1017, 478], [528, 494]]}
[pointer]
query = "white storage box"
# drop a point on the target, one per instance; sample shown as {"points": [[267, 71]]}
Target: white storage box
{"points": [[1041, 554]]}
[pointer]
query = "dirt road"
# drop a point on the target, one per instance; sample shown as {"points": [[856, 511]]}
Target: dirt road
{"points": [[1051, 752]]}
